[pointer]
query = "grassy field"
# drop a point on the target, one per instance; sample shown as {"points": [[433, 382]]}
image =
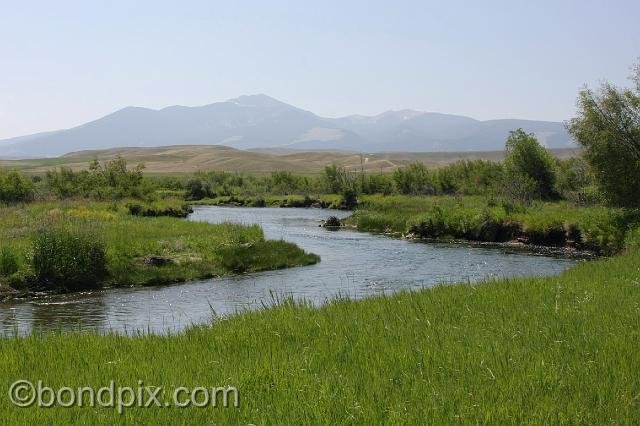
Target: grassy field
{"points": [[190, 159], [539, 350], [557, 223], [193, 250]]}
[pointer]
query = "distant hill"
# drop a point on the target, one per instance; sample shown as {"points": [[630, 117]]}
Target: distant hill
{"points": [[182, 159], [259, 121]]}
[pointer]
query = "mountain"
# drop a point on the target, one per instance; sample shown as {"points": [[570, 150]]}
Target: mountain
{"points": [[259, 121]]}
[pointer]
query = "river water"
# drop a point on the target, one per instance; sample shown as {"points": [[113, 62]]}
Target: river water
{"points": [[353, 264]]}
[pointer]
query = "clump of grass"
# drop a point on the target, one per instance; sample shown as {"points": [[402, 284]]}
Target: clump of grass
{"points": [[9, 264], [68, 258], [165, 207], [264, 255]]}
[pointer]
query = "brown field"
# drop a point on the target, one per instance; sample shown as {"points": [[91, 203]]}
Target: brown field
{"points": [[191, 158]]}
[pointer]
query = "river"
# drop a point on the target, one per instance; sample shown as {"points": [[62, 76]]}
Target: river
{"points": [[353, 264]]}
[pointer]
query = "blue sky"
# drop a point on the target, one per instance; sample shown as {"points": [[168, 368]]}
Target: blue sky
{"points": [[63, 63]]}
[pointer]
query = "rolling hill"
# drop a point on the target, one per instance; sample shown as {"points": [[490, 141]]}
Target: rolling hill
{"points": [[181, 159]]}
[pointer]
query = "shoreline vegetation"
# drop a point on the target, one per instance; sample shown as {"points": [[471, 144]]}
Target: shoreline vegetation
{"points": [[110, 225], [45, 244], [541, 226]]}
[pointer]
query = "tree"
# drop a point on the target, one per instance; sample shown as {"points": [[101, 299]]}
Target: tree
{"points": [[529, 164], [15, 188], [607, 126]]}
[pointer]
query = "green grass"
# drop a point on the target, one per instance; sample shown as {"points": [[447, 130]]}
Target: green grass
{"points": [[599, 229], [171, 207], [196, 250], [534, 350]]}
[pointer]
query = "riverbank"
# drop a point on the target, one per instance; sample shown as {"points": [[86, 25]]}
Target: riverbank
{"points": [[529, 350], [559, 224], [142, 247], [554, 227]]}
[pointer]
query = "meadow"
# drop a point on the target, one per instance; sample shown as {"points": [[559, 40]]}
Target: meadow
{"points": [[142, 245], [535, 350]]}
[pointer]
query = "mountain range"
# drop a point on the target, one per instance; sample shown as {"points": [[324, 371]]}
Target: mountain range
{"points": [[259, 122]]}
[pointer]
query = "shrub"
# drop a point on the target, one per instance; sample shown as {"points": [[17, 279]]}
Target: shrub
{"points": [[15, 188], [414, 179], [527, 161], [349, 199], [195, 189], [608, 129], [68, 259], [111, 180]]}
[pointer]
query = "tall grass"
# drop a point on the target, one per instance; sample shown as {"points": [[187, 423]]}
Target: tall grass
{"points": [[68, 258], [560, 223], [532, 350]]}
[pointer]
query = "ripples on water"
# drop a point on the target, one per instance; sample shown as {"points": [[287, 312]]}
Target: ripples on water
{"points": [[353, 264]]}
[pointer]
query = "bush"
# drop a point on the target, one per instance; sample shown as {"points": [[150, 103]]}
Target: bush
{"points": [[68, 259], [15, 188], [529, 163], [111, 180], [414, 179], [573, 180], [608, 129], [349, 199]]}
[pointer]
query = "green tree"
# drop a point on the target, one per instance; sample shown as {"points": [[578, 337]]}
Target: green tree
{"points": [[15, 188], [528, 164], [607, 126]]}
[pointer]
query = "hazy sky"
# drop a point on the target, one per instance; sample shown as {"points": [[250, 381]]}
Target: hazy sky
{"points": [[63, 63]]}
